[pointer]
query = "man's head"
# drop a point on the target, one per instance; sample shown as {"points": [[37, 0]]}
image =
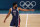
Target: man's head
{"points": [[15, 5]]}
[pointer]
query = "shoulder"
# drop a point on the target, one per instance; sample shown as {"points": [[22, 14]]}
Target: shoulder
{"points": [[19, 8], [10, 9]]}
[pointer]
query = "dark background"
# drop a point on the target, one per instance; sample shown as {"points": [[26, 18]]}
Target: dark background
{"points": [[6, 4]]}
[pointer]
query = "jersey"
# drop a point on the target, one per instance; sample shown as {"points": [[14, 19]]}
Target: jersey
{"points": [[15, 15]]}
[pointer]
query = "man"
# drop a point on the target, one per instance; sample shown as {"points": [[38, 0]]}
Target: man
{"points": [[15, 14]]}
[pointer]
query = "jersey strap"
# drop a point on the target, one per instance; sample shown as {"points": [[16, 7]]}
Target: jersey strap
{"points": [[11, 9], [17, 9]]}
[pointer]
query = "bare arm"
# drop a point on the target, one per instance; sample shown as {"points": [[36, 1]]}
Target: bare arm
{"points": [[8, 14], [25, 9]]}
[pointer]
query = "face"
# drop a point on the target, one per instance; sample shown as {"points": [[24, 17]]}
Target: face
{"points": [[15, 6]]}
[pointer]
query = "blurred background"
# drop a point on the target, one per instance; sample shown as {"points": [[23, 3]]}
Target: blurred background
{"points": [[28, 18], [6, 4]]}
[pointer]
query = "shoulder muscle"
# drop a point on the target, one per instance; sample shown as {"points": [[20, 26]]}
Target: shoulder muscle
{"points": [[10, 9]]}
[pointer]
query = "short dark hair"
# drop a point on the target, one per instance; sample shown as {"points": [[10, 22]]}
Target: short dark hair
{"points": [[14, 3]]}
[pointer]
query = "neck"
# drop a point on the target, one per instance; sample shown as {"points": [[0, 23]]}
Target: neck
{"points": [[13, 7]]}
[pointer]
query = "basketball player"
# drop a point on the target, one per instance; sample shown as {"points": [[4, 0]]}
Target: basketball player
{"points": [[15, 14]]}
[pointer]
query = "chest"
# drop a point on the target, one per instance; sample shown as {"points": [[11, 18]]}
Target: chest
{"points": [[14, 11]]}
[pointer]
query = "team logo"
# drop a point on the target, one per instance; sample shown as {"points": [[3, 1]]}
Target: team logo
{"points": [[28, 4]]}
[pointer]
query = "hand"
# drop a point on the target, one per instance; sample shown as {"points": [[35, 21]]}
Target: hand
{"points": [[32, 9], [4, 21]]}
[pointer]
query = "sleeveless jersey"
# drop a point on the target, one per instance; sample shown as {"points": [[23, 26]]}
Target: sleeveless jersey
{"points": [[15, 13], [15, 17]]}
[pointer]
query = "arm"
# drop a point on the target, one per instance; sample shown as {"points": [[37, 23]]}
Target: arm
{"points": [[7, 15], [25, 9]]}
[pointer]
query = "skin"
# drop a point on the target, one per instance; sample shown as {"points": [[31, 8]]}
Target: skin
{"points": [[18, 10]]}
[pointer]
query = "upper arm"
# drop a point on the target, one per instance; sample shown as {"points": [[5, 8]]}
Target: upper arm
{"points": [[22, 9], [25, 9], [9, 11]]}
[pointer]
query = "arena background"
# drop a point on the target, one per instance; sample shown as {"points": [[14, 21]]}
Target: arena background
{"points": [[6, 4], [28, 18]]}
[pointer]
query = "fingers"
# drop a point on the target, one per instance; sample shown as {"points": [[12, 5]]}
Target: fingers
{"points": [[4, 21]]}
